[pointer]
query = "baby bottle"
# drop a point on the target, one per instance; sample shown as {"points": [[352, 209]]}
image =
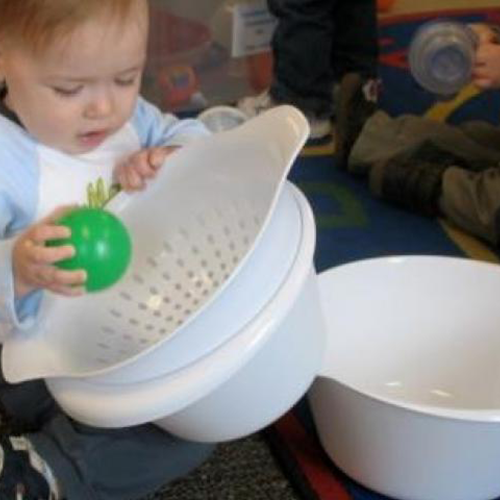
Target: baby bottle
{"points": [[441, 56]]}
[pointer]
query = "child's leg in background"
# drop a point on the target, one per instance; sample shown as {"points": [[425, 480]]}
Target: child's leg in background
{"points": [[355, 38], [302, 47], [103, 464], [472, 201]]}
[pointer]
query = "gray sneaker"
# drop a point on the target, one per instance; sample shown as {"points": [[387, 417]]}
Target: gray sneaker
{"points": [[254, 105]]}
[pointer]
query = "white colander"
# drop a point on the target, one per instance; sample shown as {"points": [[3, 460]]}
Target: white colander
{"points": [[192, 230]]}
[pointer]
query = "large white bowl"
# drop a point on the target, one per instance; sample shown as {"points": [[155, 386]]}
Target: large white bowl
{"points": [[408, 401]]}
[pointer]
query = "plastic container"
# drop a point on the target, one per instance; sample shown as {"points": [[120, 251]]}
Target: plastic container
{"points": [[407, 402], [441, 56], [221, 118]]}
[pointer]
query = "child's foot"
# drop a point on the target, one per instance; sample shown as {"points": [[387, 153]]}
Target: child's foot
{"points": [[24, 475], [254, 105]]}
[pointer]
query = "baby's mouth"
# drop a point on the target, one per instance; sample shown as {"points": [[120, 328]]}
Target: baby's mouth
{"points": [[93, 138]]}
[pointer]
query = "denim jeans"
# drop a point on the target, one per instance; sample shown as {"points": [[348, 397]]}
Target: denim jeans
{"points": [[315, 43]]}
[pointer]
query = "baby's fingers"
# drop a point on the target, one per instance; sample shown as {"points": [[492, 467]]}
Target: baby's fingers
{"points": [[130, 180], [42, 233], [50, 276], [68, 283], [51, 255], [68, 291], [156, 156]]}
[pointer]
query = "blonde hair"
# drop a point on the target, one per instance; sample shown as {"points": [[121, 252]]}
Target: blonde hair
{"points": [[35, 24]]}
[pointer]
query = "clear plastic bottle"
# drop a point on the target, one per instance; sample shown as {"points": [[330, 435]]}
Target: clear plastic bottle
{"points": [[441, 56]]}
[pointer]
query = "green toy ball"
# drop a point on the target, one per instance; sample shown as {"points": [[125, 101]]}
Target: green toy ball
{"points": [[102, 244]]}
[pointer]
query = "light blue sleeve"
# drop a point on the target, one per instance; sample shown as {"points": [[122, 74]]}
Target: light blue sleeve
{"points": [[163, 129], [18, 200]]}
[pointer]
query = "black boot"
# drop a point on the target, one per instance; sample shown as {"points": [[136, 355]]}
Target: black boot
{"points": [[357, 101], [409, 183]]}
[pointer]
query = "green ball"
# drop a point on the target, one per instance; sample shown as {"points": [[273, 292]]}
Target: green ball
{"points": [[102, 244]]}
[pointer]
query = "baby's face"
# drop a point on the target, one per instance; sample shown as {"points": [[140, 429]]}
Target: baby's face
{"points": [[82, 89]]}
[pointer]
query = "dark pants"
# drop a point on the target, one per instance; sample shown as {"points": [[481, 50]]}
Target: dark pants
{"points": [[315, 43], [98, 464]]}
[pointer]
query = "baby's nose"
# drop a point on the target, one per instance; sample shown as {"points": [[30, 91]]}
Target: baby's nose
{"points": [[100, 106]]}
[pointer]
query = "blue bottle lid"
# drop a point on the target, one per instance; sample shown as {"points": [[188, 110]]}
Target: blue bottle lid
{"points": [[441, 56]]}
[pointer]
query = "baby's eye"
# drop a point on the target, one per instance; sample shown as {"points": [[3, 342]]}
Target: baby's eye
{"points": [[67, 91], [125, 82]]}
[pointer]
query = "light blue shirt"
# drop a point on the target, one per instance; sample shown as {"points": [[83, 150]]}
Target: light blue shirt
{"points": [[36, 179]]}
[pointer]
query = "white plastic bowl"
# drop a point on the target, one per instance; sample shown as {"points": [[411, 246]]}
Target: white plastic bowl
{"points": [[408, 402]]}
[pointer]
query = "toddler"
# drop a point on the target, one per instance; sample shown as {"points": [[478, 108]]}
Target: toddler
{"points": [[437, 168], [72, 124]]}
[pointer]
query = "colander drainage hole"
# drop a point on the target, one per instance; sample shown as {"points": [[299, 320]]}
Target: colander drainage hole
{"points": [[115, 313], [138, 279], [152, 262], [125, 295]]}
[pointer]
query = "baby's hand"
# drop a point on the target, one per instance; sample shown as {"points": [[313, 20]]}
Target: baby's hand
{"points": [[133, 172], [33, 261], [486, 73]]}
